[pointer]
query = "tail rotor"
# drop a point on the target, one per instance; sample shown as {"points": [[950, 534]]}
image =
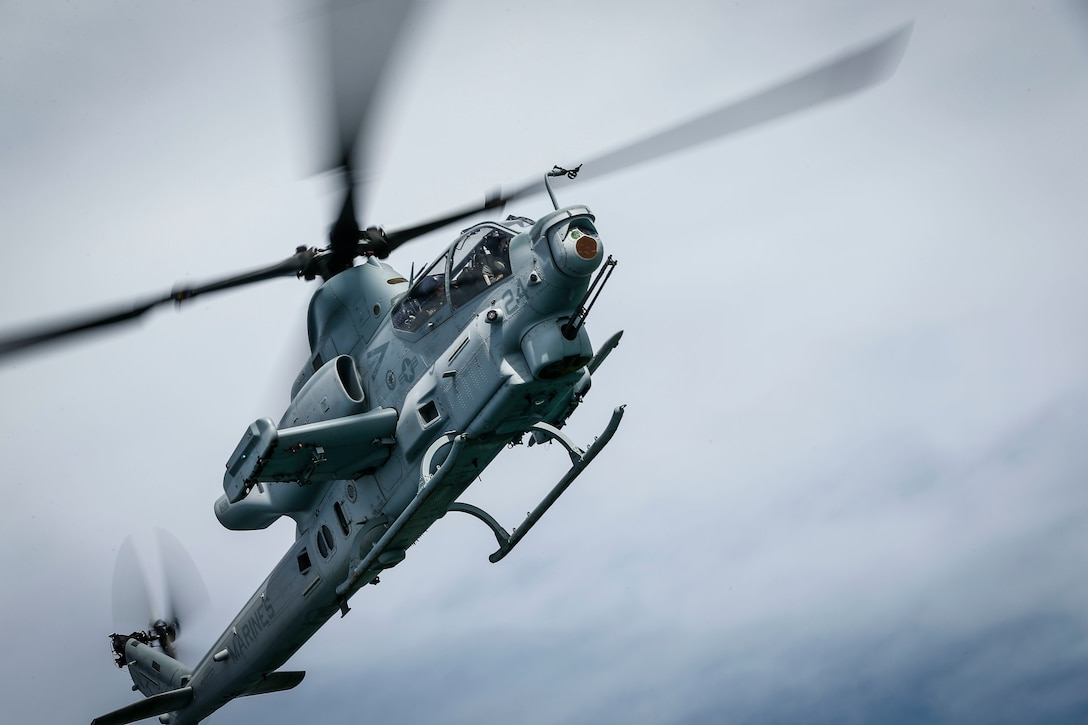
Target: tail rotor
{"points": [[180, 596]]}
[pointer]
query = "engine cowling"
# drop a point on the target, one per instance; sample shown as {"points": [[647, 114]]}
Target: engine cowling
{"points": [[334, 391]]}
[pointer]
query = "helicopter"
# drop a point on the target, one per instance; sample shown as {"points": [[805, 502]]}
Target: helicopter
{"points": [[413, 385]]}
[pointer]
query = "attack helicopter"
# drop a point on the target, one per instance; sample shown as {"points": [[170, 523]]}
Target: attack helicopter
{"points": [[413, 385]]}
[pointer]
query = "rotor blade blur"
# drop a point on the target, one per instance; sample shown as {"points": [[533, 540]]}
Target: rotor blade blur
{"points": [[345, 231], [852, 72], [302, 263], [132, 609], [359, 39], [186, 596], [398, 237]]}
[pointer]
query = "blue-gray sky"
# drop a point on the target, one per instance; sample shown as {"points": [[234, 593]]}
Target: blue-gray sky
{"points": [[851, 483]]}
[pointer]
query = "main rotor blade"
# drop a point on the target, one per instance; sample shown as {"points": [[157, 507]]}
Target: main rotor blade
{"points": [[847, 74], [359, 39], [381, 243], [345, 232], [305, 262]]}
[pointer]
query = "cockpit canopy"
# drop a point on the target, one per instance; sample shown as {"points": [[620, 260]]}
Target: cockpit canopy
{"points": [[479, 259]]}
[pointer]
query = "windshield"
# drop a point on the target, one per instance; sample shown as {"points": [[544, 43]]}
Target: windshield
{"points": [[480, 259], [423, 301]]}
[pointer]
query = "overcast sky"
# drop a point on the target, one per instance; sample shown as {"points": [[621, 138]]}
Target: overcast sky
{"points": [[851, 483]]}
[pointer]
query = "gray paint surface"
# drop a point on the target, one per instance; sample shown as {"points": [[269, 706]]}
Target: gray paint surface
{"points": [[850, 485]]}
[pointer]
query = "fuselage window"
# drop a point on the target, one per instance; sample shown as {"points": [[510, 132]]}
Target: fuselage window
{"points": [[325, 543], [423, 301], [303, 562], [480, 259]]}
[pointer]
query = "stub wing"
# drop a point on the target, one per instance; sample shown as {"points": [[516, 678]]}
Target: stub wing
{"points": [[328, 450]]}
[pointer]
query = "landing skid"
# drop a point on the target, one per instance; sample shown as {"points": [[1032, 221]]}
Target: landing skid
{"points": [[579, 460], [431, 477]]}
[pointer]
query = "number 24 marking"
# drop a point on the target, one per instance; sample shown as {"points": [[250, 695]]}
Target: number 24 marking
{"points": [[511, 300]]}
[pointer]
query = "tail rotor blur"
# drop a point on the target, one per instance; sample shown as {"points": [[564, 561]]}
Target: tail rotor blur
{"points": [[179, 596]]}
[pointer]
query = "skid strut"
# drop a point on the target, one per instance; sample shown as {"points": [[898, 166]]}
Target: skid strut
{"points": [[579, 460]]}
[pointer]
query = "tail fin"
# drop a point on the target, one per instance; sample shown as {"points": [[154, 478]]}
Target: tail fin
{"points": [[155, 705]]}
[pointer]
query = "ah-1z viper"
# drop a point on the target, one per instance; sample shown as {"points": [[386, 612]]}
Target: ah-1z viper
{"points": [[413, 385]]}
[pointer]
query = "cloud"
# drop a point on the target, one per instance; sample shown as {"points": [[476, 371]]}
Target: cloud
{"points": [[849, 485]]}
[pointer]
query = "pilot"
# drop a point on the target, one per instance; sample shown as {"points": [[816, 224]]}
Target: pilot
{"points": [[428, 287], [432, 293], [491, 264]]}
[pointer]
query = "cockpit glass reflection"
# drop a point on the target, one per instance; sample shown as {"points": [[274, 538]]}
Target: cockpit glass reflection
{"points": [[423, 301], [480, 260]]}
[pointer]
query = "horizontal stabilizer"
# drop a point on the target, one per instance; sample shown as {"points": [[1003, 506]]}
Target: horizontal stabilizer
{"points": [[276, 681], [155, 705]]}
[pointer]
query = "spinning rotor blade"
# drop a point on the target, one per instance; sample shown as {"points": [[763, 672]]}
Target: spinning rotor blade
{"points": [[380, 243], [850, 73], [186, 597], [304, 263], [183, 596], [132, 609], [847, 74], [360, 38]]}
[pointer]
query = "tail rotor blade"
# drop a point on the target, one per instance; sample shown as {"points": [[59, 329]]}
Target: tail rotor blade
{"points": [[132, 608], [186, 596], [182, 599]]}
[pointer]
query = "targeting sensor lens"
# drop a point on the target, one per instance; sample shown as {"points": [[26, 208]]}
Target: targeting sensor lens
{"points": [[584, 244]]}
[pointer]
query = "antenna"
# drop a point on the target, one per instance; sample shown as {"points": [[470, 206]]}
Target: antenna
{"points": [[559, 171]]}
